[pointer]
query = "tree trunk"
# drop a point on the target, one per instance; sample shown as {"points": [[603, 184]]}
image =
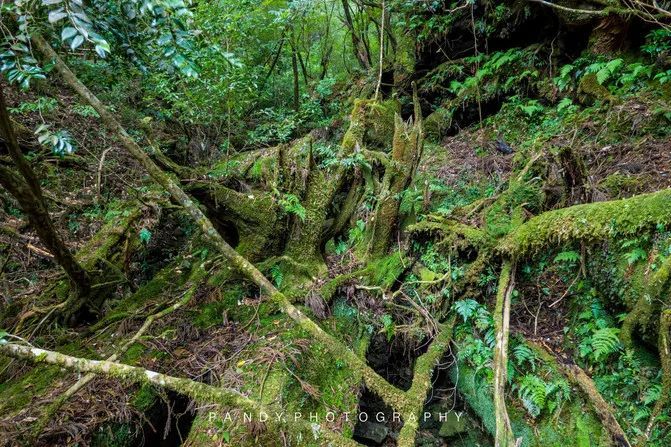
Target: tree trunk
{"points": [[405, 154], [358, 46], [294, 69], [27, 191]]}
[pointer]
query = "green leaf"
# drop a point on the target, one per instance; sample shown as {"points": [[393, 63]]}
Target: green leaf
{"points": [[56, 15], [567, 256], [605, 341], [145, 235], [466, 308], [68, 33], [76, 42], [637, 254]]}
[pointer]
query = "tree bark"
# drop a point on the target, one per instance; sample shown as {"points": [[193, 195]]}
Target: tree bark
{"points": [[405, 154], [294, 69], [358, 46]]}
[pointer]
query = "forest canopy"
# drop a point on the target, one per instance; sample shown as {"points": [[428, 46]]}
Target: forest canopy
{"points": [[335, 223]]}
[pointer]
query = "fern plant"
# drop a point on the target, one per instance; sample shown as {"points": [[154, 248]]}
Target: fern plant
{"points": [[568, 257], [292, 205], [605, 341], [523, 354], [466, 308], [532, 392], [277, 275]]}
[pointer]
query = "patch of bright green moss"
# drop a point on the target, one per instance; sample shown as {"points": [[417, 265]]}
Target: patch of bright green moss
{"points": [[145, 398], [508, 210]]}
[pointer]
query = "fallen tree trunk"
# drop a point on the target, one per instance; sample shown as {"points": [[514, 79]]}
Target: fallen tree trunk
{"points": [[588, 222]]}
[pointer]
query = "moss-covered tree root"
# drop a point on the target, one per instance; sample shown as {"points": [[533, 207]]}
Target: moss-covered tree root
{"points": [[421, 383]]}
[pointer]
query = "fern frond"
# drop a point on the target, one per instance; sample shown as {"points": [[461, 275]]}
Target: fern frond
{"points": [[466, 308], [533, 392], [605, 342]]}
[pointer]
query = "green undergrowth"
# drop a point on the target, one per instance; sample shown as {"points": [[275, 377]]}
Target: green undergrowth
{"points": [[571, 424]]}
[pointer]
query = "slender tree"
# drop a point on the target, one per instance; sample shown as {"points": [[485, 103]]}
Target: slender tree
{"points": [[22, 183]]}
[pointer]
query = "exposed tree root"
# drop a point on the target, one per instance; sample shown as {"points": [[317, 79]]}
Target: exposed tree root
{"points": [[504, 433], [421, 382], [53, 408], [405, 154], [95, 250]]}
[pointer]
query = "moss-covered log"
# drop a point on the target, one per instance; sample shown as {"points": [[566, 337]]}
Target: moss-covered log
{"points": [[589, 223]]}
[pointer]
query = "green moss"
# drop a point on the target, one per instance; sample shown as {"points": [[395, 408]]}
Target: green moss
{"points": [[438, 122], [589, 223], [508, 209], [371, 124], [452, 232], [589, 89], [145, 398], [18, 393], [385, 271], [133, 354], [99, 246], [620, 185], [170, 278]]}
